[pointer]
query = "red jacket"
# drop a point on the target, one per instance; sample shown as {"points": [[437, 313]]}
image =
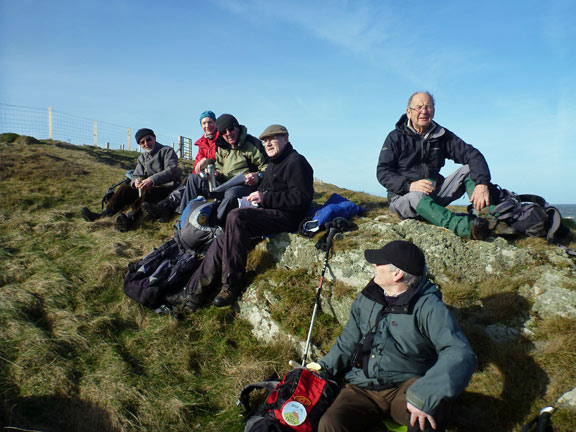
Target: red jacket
{"points": [[206, 148]]}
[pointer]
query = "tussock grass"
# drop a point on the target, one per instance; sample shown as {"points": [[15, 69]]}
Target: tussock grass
{"points": [[77, 354]]}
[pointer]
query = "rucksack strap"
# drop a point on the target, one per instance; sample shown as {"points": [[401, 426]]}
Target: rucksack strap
{"points": [[244, 398], [534, 199]]}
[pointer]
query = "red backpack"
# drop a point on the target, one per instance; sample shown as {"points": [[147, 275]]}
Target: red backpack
{"points": [[294, 404]]}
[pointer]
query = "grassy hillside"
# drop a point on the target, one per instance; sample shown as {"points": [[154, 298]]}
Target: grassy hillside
{"points": [[77, 355]]}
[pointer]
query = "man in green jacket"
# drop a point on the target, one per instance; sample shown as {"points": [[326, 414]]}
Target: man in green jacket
{"points": [[404, 353], [237, 152]]}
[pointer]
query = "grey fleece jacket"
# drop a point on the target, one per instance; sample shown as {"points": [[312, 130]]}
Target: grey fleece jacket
{"points": [[160, 164], [417, 337]]}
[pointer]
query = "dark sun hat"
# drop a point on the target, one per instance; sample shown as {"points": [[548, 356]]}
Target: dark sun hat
{"points": [[404, 255], [273, 130]]}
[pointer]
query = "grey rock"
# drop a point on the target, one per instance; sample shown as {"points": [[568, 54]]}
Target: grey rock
{"points": [[568, 400]]}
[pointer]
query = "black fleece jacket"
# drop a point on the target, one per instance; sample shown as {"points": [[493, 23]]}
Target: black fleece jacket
{"points": [[288, 183], [407, 157]]}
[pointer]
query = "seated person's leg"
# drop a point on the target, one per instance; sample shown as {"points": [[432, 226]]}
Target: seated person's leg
{"points": [[453, 186], [195, 186], [163, 209], [353, 410], [405, 205], [124, 196], [230, 201], [400, 413]]}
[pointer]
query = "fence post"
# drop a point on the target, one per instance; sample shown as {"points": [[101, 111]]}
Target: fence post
{"points": [[180, 146], [95, 133], [129, 137], [50, 123]]}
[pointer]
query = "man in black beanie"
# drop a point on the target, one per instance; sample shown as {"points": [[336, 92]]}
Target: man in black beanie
{"points": [[155, 176], [237, 153]]}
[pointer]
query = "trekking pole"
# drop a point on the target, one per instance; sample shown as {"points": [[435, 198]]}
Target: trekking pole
{"points": [[331, 233], [541, 423]]}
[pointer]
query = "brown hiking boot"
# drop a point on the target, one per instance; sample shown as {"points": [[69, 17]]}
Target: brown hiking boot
{"points": [[479, 229], [181, 302], [229, 293]]}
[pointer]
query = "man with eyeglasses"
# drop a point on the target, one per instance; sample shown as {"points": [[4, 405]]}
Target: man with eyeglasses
{"points": [[409, 168], [155, 176], [278, 205]]}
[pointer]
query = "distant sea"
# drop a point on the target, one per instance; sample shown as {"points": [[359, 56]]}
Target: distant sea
{"points": [[568, 211]]}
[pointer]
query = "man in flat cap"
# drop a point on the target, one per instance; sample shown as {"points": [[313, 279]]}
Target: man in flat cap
{"points": [[155, 176], [282, 200], [403, 352]]}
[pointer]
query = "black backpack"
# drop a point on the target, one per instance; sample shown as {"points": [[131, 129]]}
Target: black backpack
{"points": [[162, 272], [526, 214], [168, 268], [294, 404]]}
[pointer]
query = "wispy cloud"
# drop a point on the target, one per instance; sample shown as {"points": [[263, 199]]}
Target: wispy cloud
{"points": [[358, 26]]}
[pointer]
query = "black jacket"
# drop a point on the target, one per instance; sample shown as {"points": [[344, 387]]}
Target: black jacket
{"points": [[288, 183], [407, 157]]}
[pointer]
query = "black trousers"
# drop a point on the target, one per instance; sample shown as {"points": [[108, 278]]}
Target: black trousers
{"points": [[226, 257]]}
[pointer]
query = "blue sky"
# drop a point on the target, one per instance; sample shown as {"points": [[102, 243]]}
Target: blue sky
{"points": [[336, 73]]}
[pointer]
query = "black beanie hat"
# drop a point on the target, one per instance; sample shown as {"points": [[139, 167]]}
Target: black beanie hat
{"points": [[226, 121], [403, 254], [142, 133]]}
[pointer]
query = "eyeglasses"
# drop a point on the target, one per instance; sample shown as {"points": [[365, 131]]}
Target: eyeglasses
{"points": [[145, 140], [421, 108]]}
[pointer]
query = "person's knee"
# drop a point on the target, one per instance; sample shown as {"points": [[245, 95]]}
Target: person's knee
{"points": [[330, 422], [405, 206]]}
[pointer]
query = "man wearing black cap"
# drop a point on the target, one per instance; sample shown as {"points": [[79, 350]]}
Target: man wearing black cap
{"points": [[155, 176], [404, 355], [280, 203], [237, 152]]}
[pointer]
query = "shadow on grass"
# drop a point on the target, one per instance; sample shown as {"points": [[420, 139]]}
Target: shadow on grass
{"points": [[53, 413], [522, 381]]}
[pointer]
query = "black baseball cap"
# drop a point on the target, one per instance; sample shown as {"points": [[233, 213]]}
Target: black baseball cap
{"points": [[403, 254]]}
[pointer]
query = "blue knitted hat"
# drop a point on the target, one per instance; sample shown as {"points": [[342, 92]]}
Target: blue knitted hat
{"points": [[208, 114]]}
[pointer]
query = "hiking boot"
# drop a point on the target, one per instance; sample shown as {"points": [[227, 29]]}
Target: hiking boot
{"points": [[162, 210], [479, 229], [90, 216], [182, 302], [123, 223], [228, 294]]}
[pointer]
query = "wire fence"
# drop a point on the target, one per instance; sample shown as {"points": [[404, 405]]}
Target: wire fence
{"points": [[61, 126]]}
